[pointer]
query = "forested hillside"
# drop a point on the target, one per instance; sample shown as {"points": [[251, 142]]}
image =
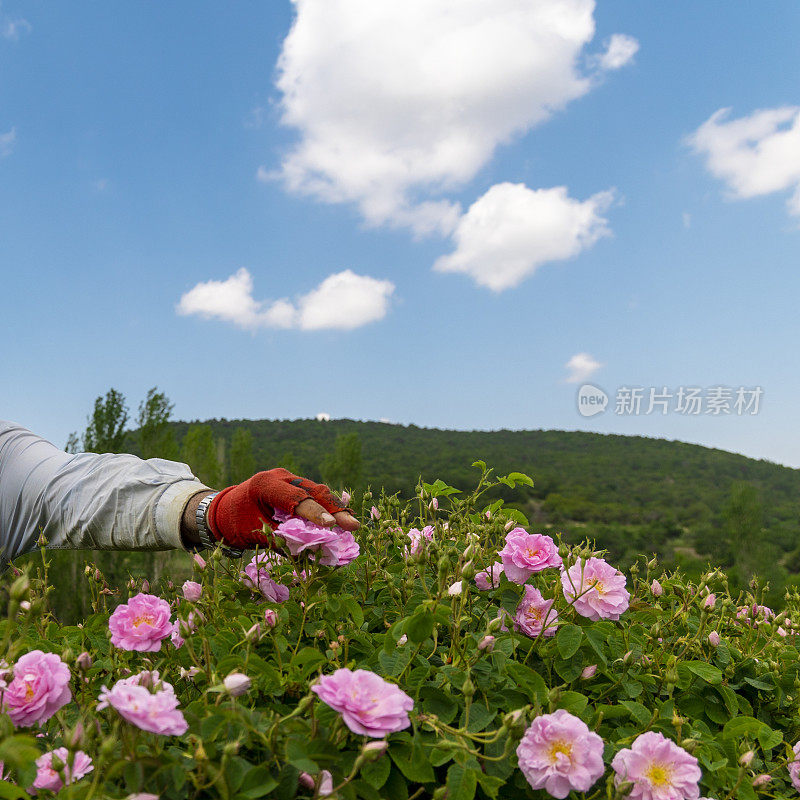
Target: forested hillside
{"points": [[635, 496]]}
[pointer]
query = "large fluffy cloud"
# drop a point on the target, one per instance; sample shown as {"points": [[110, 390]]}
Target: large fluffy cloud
{"points": [[343, 300], [755, 155], [512, 230], [396, 103]]}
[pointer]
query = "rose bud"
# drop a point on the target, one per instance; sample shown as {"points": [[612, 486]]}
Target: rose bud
{"points": [[589, 672], [192, 591], [656, 588], [271, 618], [713, 639], [83, 662], [237, 684], [487, 643], [199, 561]]}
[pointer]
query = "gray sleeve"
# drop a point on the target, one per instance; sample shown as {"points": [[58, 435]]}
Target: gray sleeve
{"points": [[87, 501]]}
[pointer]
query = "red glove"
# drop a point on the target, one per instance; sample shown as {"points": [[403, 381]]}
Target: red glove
{"points": [[237, 514]]}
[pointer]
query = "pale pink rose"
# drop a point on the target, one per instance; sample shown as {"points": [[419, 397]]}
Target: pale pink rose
{"points": [[525, 553], [270, 617], [794, 767], [175, 637], [595, 589], [374, 513], [369, 705], [40, 688], [189, 673], [340, 552], [658, 769], [192, 591], [762, 780], [150, 711], [455, 589], [713, 639], [402, 640], [199, 560], [487, 643], [301, 535], [237, 684], [418, 539], [141, 623], [656, 588], [559, 754], [256, 576], [535, 615], [710, 601], [345, 497], [589, 672], [746, 758], [489, 578], [48, 778]]}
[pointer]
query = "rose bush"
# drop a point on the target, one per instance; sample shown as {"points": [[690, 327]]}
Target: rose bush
{"points": [[446, 650]]}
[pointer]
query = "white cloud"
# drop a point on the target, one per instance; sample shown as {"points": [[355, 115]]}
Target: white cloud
{"points": [[11, 28], [581, 367], [512, 230], [7, 141], [620, 50], [755, 155], [323, 416], [687, 220], [397, 103], [342, 301]]}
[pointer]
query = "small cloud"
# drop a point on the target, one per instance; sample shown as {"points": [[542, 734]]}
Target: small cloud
{"points": [[342, 301], [754, 155], [385, 420], [13, 29], [581, 367], [7, 142], [323, 416], [687, 220], [509, 232], [255, 118], [101, 184], [620, 50]]}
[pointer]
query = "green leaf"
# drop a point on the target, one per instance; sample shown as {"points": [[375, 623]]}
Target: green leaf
{"points": [[516, 515], [707, 672], [10, 792], [297, 756], [257, 782], [461, 783], [769, 738], [738, 727], [419, 627], [639, 712], [530, 681], [376, 772], [490, 784], [410, 760], [574, 702], [568, 640]]}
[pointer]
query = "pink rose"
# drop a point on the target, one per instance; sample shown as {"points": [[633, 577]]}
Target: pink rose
{"points": [[140, 624], [156, 712], [595, 589], [656, 588], [535, 615], [559, 754], [271, 618], [489, 578], [526, 553], [40, 688], [48, 778], [710, 601], [341, 551], [658, 768], [794, 767], [256, 576], [369, 705], [192, 591], [418, 538]]}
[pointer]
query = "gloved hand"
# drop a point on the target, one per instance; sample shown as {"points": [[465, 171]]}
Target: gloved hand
{"points": [[237, 514]]}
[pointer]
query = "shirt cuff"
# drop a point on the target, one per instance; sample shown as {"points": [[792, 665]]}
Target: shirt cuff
{"points": [[169, 511]]}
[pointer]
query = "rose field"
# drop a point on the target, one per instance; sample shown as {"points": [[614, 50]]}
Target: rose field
{"points": [[446, 650]]}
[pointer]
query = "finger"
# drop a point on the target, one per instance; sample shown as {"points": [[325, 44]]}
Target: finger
{"points": [[325, 497], [346, 521], [314, 512]]}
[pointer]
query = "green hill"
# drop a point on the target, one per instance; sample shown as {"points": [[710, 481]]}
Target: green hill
{"points": [[633, 494]]}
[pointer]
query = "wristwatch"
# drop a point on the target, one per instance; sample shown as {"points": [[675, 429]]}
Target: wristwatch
{"points": [[206, 537]]}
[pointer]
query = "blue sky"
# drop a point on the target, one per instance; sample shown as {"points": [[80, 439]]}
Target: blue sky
{"points": [[147, 150]]}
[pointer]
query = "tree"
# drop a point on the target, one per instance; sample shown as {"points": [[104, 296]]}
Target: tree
{"points": [[105, 432], [744, 518], [73, 445], [343, 467], [156, 437], [241, 461], [199, 451]]}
